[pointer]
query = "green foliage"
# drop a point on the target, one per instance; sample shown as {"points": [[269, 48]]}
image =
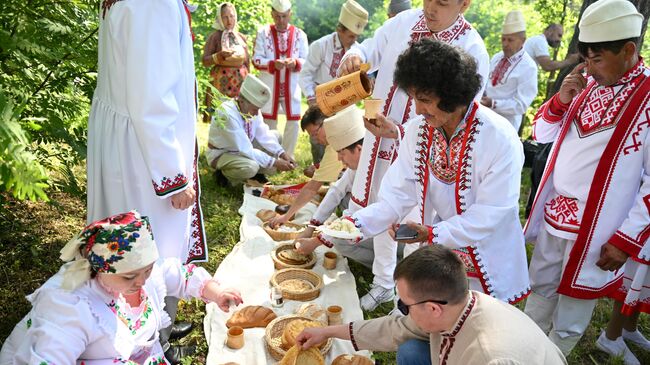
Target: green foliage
{"points": [[47, 66]]}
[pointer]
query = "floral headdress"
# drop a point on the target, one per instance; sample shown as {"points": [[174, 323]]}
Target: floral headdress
{"points": [[118, 244]]}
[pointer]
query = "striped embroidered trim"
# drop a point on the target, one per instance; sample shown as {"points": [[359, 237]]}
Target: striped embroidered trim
{"points": [[324, 241], [168, 185], [354, 342]]}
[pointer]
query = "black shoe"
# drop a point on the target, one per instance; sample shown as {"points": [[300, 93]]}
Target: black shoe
{"points": [[260, 178], [180, 330], [220, 179], [174, 354]]}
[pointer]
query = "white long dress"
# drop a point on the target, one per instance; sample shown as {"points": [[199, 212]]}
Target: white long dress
{"points": [[141, 130], [89, 326]]}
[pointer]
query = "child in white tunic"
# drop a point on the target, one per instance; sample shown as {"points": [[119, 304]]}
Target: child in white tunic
{"points": [[105, 305]]}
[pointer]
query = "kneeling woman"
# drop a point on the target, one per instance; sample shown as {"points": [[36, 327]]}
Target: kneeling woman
{"points": [[105, 305]]}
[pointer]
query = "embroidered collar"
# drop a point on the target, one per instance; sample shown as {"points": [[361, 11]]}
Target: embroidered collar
{"points": [[633, 72], [461, 126], [471, 302], [338, 46], [516, 57]]}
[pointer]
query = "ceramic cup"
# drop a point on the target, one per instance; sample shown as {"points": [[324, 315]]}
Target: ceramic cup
{"points": [[329, 261], [334, 315], [235, 337]]}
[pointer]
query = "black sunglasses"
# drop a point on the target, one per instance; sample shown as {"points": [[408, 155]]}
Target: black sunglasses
{"points": [[405, 308]]}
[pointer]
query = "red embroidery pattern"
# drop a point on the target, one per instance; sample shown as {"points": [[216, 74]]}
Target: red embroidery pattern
{"points": [[470, 268], [596, 105], [449, 338], [562, 213], [444, 167], [499, 71], [455, 31], [198, 242], [636, 144], [106, 6], [336, 59], [168, 185]]}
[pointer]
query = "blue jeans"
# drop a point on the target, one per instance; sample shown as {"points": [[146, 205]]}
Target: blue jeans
{"points": [[414, 352]]}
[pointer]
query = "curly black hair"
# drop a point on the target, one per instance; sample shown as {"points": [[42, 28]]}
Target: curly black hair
{"points": [[438, 69]]}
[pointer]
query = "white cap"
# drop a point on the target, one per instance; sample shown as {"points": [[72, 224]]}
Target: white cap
{"points": [[344, 128], [281, 6], [514, 23], [610, 20], [255, 91], [353, 16]]}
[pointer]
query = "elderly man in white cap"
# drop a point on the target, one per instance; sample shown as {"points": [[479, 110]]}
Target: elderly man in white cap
{"points": [[512, 84], [325, 56], [240, 145], [279, 54], [397, 6], [591, 211], [435, 20]]}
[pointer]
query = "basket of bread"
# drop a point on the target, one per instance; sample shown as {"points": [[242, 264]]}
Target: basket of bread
{"points": [[352, 360], [266, 215], [297, 284], [280, 335], [285, 256], [285, 232]]}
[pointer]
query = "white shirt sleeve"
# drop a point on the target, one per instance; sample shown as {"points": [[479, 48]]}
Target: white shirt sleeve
{"points": [[183, 281], [312, 64], [334, 195], [524, 94]]}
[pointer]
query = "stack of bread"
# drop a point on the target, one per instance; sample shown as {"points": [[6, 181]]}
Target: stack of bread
{"points": [[298, 356]]}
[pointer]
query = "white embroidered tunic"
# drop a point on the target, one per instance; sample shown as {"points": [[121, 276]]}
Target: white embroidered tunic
{"points": [[512, 85], [141, 130], [488, 332], [595, 187], [333, 198], [90, 326], [271, 45], [323, 60], [381, 51], [231, 132], [467, 189]]}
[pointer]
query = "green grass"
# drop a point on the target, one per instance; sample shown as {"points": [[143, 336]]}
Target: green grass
{"points": [[31, 234]]}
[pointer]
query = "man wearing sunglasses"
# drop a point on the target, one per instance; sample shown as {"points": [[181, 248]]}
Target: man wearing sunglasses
{"points": [[444, 320]]}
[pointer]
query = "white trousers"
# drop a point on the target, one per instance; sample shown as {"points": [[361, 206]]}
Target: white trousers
{"points": [[291, 130], [564, 318], [378, 253]]}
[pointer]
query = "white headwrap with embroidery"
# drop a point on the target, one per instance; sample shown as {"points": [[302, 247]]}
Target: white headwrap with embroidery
{"points": [[118, 244]]}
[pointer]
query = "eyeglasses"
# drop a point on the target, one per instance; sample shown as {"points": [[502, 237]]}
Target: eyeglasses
{"points": [[312, 134], [405, 308]]}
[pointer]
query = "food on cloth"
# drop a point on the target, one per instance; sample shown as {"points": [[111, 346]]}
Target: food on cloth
{"points": [[291, 256], [251, 316], [343, 225], [352, 360], [266, 214], [313, 311], [298, 356], [293, 329], [279, 196], [296, 285], [289, 229]]}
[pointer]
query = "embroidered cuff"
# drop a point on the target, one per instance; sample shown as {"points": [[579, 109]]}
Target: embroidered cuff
{"points": [[169, 185], [431, 235], [271, 67], [321, 238], [554, 109], [354, 342], [298, 66], [315, 222], [626, 243]]}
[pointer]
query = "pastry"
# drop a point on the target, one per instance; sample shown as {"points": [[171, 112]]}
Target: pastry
{"points": [[266, 215], [352, 360], [251, 316], [293, 329], [292, 257], [296, 285], [297, 356], [313, 311]]}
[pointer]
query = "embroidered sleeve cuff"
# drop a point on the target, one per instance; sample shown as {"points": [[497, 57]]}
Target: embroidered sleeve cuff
{"points": [[169, 185], [271, 67], [324, 241], [315, 222], [354, 342], [626, 243], [298, 66], [431, 235], [554, 109]]}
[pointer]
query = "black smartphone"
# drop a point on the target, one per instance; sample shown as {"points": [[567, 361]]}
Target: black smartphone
{"points": [[405, 232]]}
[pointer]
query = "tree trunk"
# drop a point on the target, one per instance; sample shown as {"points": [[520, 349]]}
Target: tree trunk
{"points": [[644, 8]]}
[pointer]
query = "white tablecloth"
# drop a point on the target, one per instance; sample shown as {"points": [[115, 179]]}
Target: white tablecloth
{"points": [[249, 267]]}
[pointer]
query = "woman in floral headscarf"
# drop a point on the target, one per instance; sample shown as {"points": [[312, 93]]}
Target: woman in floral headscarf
{"points": [[226, 52], [105, 305]]}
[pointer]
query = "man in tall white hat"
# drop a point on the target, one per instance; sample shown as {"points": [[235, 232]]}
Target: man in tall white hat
{"points": [[591, 210], [325, 56], [279, 55], [435, 20], [512, 84], [240, 145]]}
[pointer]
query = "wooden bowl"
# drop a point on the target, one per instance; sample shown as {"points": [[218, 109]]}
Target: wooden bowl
{"points": [[280, 264], [302, 274], [283, 236], [273, 336]]}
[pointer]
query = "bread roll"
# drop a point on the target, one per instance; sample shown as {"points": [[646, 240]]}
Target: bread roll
{"points": [[266, 214], [297, 356], [313, 311], [352, 360], [294, 328], [251, 316]]}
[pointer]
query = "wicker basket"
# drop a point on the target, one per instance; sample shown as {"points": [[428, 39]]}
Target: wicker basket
{"points": [[279, 264], [283, 236], [273, 336], [307, 275]]}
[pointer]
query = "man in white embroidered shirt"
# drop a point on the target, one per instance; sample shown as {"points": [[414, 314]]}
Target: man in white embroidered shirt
{"points": [[444, 321], [512, 84]]}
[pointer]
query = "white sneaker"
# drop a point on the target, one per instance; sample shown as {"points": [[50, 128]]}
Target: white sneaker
{"points": [[376, 296], [617, 348], [637, 338]]}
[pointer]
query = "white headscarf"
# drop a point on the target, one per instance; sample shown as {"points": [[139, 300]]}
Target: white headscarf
{"points": [[218, 23]]}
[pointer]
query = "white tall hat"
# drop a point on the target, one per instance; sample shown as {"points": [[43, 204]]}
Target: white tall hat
{"points": [[353, 16], [344, 128], [514, 22], [610, 20], [255, 91], [281, 6]]}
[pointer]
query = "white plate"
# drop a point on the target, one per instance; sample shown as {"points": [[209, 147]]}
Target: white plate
{"points": [[340, 234]]}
